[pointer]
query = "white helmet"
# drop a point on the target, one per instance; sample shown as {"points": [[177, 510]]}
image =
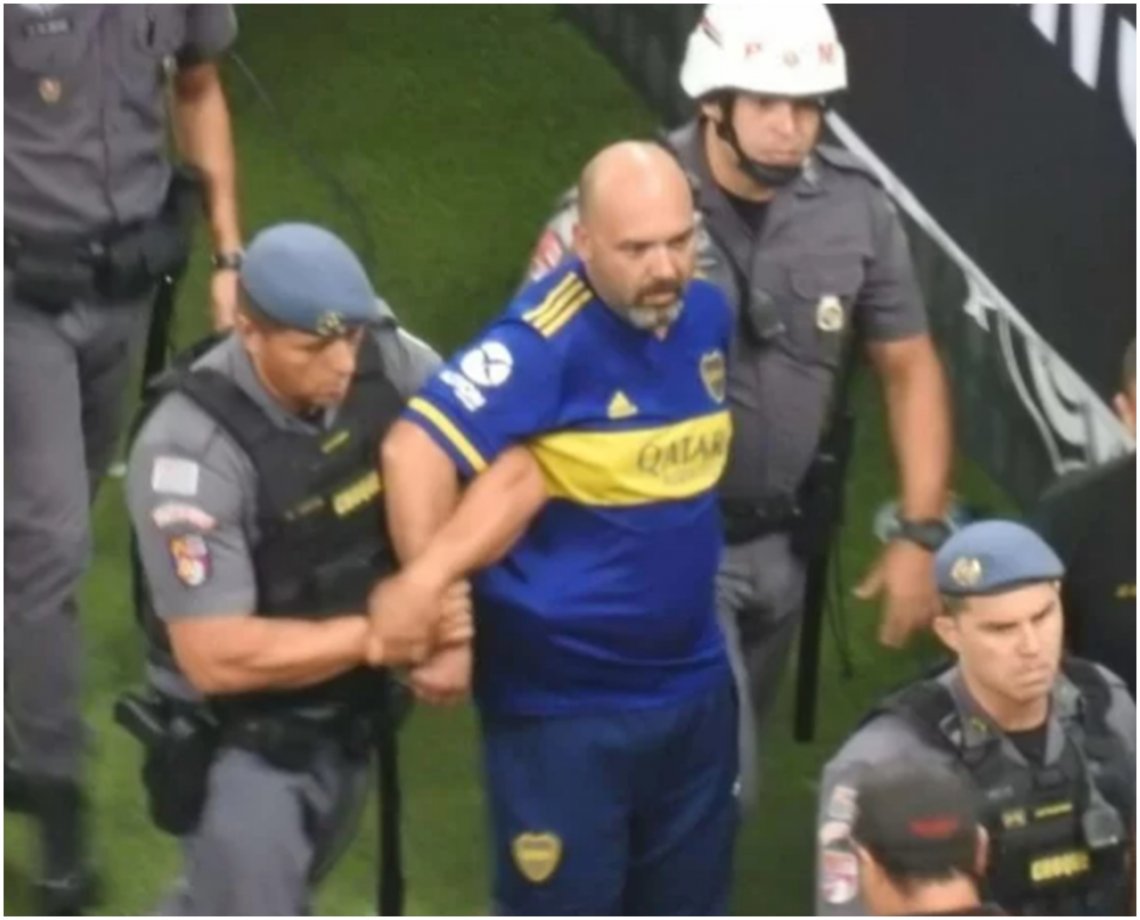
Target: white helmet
{"points": [[768, 48]]}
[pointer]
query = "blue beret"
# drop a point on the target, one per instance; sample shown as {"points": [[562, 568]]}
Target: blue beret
{"points": [[305, 277], [994, 556]]}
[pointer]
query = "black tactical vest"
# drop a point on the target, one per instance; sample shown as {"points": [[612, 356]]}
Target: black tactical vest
{"points": [[1058, 833], [322, 542]]}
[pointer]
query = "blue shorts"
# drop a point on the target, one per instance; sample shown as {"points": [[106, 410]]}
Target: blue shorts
{"points": [[630, 812]]}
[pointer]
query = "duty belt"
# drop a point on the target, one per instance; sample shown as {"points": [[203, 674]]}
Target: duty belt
{"points": [[291, 742], [747, 521]]}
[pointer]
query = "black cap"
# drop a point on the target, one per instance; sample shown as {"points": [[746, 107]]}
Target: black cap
{"points": [[917, 819]]}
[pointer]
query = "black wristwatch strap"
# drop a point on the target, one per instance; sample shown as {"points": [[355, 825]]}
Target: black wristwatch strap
{"points": [[929, 533], [230, 261]]}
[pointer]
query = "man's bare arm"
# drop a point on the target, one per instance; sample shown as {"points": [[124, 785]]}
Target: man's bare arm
{"points": [[422, 493], [241, 653], [918, 411], [421, 488]]}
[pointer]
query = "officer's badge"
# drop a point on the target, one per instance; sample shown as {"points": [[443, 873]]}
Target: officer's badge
{"points": [[829, 314], [966, 571], [191, 558], [713, 374], [537, 855], [51, 90], [330, 323]]}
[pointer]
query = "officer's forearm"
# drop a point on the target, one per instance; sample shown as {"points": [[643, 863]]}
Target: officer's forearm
{"points": [[421, 488], [242, 653], [494, 512], [205, 139], [918, 410]]}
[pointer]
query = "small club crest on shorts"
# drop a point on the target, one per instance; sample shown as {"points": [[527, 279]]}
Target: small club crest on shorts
{"points": [[537, 855]]}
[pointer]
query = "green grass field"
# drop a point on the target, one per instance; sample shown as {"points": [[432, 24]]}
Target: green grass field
{"points": [[454, 128]]}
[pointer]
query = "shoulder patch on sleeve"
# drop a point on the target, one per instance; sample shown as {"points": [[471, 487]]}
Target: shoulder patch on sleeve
{"points": [[559, 306], [175, 476], [173, 514], [191, 558], [841, 805], [839, 875]]}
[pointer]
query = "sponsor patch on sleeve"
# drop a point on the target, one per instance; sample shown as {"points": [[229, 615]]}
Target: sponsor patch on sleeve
{"points": [[488, 364], [191, 558], [175, 476]]}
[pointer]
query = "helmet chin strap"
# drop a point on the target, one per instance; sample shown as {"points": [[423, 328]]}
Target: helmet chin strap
{"points": [[763, 173]]}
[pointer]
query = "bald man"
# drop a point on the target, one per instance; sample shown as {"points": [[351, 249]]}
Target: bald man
{"points": [[603, 686]]}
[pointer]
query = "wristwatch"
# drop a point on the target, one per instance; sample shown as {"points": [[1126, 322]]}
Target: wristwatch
{"points": [[227, 261], [929, 533]]}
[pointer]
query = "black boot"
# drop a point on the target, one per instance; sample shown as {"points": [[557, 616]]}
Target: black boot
{"points": [[67, 883]]}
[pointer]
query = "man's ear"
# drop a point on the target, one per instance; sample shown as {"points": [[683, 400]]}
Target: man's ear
{"points": [[1125, 409], [865, 858], [712, 110], [945, 627], [247, 330], [981, 853], [582, 243]]}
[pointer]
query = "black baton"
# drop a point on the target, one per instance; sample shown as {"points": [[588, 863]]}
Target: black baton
{"points": [[807, 670], [158, 334], [390, 883]]}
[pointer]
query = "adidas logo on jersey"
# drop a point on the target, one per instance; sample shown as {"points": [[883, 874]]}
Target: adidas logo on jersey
{"points": [[620, 406]]}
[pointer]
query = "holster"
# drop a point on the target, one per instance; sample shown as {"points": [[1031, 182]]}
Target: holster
{"points": [[179, 742], [123, 263]]}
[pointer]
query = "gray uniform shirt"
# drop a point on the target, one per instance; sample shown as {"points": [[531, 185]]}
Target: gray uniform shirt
{"points": [[888, 739], [831, 255], [85, 108], [191, 491]]}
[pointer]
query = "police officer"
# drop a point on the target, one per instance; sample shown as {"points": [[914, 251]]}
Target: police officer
{"points": [[920, 845], [1090, 518], [253, 489], [1048, 744], [804, 241], [93, 215]]}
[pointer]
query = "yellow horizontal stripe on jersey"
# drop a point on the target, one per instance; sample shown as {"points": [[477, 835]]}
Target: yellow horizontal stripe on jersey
{"points": [[564, 291], [637, 466], [552, 324], [446, 427]]}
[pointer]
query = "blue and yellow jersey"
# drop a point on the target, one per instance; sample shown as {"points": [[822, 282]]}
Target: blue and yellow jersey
{"points": [[608, 600]]}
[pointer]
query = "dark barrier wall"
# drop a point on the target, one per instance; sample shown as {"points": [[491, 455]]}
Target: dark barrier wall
{"points": [[1007, 136]]}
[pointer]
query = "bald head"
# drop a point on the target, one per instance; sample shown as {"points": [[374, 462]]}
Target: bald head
{"points": [[627, 172], [635, 231]]}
